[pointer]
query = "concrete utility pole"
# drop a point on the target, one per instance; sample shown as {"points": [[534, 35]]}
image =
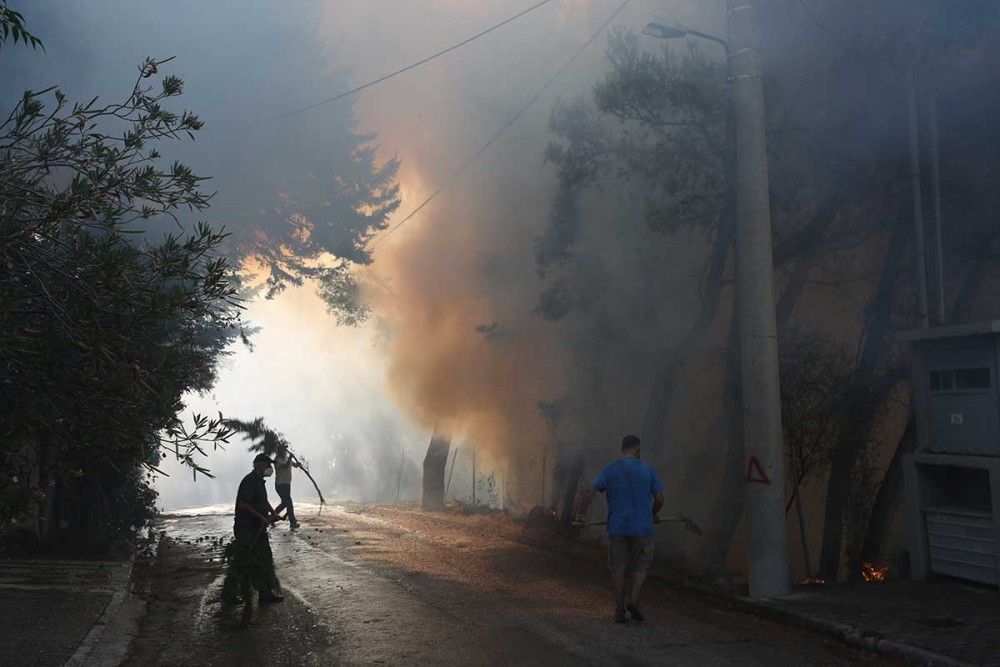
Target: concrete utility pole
{"points": [[768, 562], [936, 195], [918, 200]]}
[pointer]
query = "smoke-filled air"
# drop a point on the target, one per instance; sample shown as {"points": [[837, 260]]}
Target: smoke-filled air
{"points": [[444, 256]]}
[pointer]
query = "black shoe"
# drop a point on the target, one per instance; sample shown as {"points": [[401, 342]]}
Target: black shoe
{"points": [[270, 597], [621, 616], [633, 610]]}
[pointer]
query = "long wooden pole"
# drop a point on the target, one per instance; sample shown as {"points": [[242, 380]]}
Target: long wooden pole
{"points": [[473, 477], [322, 501]]}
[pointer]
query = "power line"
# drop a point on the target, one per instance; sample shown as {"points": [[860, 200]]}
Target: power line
{"points": [[513, 119], [833, 37], [390, 75], [807, 74], [815, 19]]}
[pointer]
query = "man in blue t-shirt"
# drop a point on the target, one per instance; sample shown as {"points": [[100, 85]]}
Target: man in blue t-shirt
{"points": [[635, 497]]}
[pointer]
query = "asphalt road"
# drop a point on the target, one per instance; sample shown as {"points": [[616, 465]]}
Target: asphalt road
{"points": [[48, 607], [385, 585]]}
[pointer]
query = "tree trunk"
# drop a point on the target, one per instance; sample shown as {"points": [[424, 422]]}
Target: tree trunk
{"points": [[434, 467], [654, 422], [887, 498], [803, 537], [965, 300], [859, 409], [792, 291], [891, 487], [572, 484], [46, 485]]}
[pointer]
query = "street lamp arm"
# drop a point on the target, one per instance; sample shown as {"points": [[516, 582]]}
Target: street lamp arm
{"points": [[661, 30], [711, 38]]}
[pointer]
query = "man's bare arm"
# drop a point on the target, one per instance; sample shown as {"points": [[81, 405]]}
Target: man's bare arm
{"points": [[657, 503], [253, 510], [588, 497]]}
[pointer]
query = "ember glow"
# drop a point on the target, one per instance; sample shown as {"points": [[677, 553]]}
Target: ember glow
{"points": [[874, 574]]}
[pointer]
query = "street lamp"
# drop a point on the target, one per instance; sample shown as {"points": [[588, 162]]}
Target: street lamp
{"points": [[654, 29], [760, 395], [664, 31]]}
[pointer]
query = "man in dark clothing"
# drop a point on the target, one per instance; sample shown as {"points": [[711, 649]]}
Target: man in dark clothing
{"points": [[635, 497], [252, 550]]}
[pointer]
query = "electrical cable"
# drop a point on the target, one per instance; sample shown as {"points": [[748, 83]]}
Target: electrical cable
{"points": [[397, 72], [815, 19], [513, 119]]}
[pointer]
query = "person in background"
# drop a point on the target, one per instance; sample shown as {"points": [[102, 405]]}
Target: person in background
{"points": [[283, 464], [635, 497]]}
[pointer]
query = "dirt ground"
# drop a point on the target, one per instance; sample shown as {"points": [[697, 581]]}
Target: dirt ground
{"points": [[393, 585]]}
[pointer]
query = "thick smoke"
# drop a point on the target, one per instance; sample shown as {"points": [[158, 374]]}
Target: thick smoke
{"points": [[480, 340], [528, 319], [470, 347]]}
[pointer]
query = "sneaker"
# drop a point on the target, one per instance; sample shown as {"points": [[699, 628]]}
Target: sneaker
{"points": [[294, 527], [633, 610], [621, 616], [269, 598]]}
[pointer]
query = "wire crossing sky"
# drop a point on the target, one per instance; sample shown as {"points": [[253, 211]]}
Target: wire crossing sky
{"points": [[386, 77], [513, 119]]}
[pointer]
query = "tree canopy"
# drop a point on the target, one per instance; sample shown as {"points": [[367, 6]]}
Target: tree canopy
{"points": [[112, 304]]}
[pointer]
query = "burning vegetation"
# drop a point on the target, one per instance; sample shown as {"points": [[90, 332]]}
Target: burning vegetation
{"points": [[874, 574]]}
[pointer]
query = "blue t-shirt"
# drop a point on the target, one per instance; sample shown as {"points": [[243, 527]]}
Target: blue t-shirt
{"points": [[629, 485]]}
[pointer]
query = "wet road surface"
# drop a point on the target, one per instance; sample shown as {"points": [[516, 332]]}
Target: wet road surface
{"points": [[389, 585]]}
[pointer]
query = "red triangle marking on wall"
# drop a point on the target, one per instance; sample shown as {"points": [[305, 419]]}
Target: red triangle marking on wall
{"points": [[755, 472]]}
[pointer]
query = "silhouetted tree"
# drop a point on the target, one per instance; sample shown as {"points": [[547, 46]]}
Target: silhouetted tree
{"points": [[107, 315]]}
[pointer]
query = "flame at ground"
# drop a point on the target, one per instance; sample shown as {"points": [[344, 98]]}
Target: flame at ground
{"points": [[874, 574]]}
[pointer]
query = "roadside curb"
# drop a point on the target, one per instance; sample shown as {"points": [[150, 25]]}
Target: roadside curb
{"points": [[849, 634], [775, 611], [92, 639]]}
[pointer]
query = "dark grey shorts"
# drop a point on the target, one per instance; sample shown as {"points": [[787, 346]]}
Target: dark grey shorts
{"points": [[628, 553]]}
